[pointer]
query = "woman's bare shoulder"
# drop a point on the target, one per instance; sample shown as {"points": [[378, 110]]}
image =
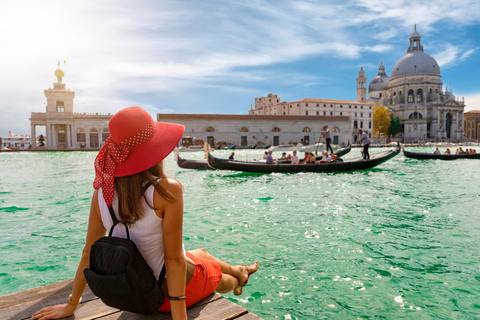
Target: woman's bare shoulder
{"points": [[171, 185]]}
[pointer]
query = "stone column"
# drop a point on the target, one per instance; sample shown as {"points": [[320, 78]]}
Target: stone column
{"points": [[48, 132], [33, 137], [54, 137], [69, 142]]}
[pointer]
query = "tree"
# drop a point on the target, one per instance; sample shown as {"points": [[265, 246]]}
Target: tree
{"points": [[381, 121], [394, 127]]}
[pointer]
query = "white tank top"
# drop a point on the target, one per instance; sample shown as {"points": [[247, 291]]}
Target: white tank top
{"points": [[147, 232]]}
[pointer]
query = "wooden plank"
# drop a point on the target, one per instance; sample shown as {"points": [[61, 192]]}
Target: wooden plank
{"points": [[26, 295], [30, 301], [248, 316], [212, 307], [220, 309]]}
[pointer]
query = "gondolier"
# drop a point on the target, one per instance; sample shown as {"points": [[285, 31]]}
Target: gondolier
{"points": [[366, 143], [328, 140]]}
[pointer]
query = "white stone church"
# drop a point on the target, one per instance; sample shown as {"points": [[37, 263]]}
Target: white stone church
{"points": [[414, 93]]}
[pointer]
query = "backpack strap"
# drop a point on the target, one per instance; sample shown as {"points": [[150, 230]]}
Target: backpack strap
{"points": [[162, 276], [115, 222]]}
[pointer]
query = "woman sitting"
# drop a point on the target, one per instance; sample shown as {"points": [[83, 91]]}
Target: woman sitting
{"points": [[325, 157], [448, 151], [129, 178]]}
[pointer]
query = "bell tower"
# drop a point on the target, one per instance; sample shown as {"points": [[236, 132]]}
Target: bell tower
{"points": [[361, 85], [59, 99]]}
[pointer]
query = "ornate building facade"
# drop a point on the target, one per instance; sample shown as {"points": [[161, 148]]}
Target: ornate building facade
{"points": [[414, 93], [472, 124], [66, 129]]}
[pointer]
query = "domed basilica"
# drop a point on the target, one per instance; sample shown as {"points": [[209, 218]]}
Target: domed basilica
{"points": [[414, 94]]}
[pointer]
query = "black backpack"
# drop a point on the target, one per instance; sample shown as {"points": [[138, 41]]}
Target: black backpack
{"points": [[121, 277]]}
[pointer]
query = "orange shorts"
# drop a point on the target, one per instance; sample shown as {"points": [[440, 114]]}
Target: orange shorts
{"points": [[206, 278]]}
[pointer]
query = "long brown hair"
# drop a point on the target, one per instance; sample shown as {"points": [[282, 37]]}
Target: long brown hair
{"points": [[131, 189]]}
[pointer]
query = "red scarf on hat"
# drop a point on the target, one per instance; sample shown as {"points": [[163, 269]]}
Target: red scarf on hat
{"points": [[113, 154]]}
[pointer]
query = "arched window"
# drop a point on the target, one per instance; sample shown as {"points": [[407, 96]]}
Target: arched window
{"points": [[336, 129], [394, 93], [210, 129], [276, 129], [306, 129], [105, 134], [355, 124], [81, 135], [415, 115], [94, 138], [243, 129], [419, 95], [410, 96]]}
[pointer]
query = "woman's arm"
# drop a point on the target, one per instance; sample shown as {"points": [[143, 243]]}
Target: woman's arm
{"points": [[94, 232], [173, 245]]}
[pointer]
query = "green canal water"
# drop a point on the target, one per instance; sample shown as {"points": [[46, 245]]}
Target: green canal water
{"points": [[401, 241]]}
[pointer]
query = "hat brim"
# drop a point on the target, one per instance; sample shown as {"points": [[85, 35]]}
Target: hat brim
{"points": [[152, 151]]}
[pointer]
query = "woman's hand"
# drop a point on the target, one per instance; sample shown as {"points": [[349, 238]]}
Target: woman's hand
{"points": [[55, 312]]}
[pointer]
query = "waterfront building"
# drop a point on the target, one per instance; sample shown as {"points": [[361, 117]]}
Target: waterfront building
{"points": [[360, 113], [66, 129], [258, 130], [414, 93], [472, 124]]}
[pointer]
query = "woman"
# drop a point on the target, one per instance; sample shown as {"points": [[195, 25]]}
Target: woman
{"points": [[129, 176]]}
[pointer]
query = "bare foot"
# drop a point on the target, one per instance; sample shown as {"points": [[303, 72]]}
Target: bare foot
{"points": [[245, 273]]}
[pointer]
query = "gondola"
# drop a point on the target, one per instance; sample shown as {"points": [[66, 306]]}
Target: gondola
{"points": [[225, 164], [203, 165], [192, 164], [423, 155]]}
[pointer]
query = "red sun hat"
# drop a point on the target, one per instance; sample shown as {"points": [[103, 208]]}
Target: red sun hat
{"points": [[136, 143]]}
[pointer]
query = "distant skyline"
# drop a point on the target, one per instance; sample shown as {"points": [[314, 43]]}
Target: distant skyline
{"points": [[176, 56]]}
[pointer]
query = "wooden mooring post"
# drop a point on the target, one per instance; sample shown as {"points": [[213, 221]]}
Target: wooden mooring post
{"points": [[22, 305]]}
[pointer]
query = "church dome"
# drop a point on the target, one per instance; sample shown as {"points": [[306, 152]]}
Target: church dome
{"points": [[381, 81], [415, 61]]}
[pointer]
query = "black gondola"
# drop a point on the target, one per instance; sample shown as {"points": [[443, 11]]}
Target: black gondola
{"points": [[203, 165], [224, 164], [423, 155], [192, 164]]}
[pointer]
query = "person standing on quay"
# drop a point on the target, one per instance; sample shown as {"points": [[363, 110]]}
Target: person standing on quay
{"points": [[328, 140], [129, 179], [366, 143]]}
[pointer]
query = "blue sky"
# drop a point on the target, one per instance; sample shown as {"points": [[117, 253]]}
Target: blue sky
{"points": [[177, 56]]}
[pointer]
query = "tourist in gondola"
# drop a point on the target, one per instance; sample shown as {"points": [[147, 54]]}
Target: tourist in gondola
{"points": [[366, 143], [325, 157], [232, 156], [294, 157], [129, 178], [448, 151], [269, 158], [437, 151]]}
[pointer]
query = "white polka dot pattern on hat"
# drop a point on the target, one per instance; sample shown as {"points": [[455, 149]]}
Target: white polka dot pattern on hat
{"points": [[113, 154]]}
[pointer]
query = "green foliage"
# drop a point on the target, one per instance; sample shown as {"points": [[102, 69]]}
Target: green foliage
{"points": [[394, 127]]}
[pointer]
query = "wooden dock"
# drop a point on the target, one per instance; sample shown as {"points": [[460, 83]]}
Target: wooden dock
{"points": [[22, 305]]}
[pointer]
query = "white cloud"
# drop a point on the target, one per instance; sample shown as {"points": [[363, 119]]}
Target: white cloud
{"points": [[467, 54], [448, 56]]}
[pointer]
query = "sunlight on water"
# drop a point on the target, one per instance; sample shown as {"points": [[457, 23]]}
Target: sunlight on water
{"points": [[398, 241]]}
